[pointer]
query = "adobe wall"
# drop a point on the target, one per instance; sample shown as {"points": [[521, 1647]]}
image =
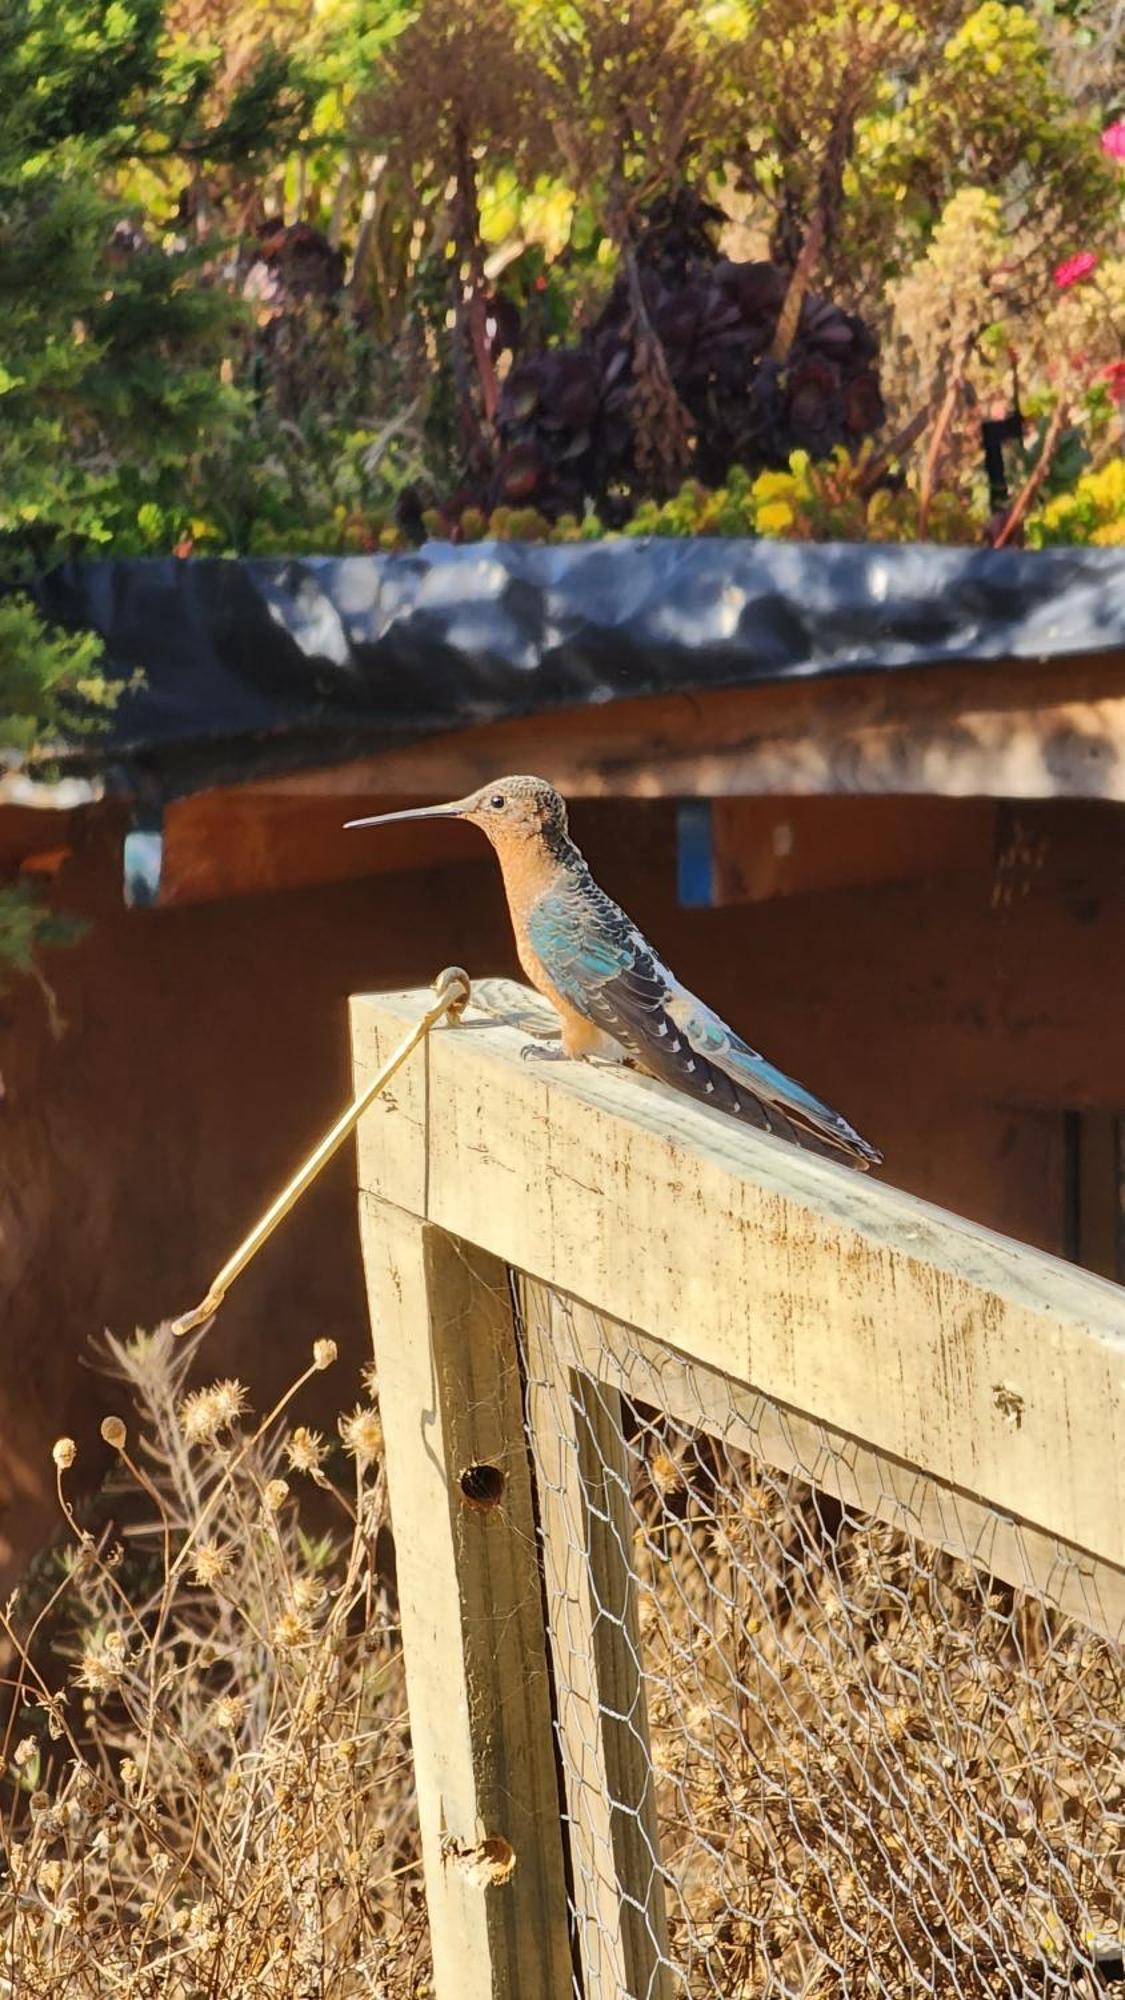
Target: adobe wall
{"points": [[206, 1048]]}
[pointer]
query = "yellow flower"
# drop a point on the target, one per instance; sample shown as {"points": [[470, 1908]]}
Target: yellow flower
{"points": [[774, 518], [772, 485]]}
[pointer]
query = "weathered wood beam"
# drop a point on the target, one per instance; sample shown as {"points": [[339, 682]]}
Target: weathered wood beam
{"points": [[997, 1370], [1023, 729], [1018, 730], [471, 1608]]}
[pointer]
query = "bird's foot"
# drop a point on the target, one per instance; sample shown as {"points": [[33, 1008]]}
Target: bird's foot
{"points": [[544, 1052]]}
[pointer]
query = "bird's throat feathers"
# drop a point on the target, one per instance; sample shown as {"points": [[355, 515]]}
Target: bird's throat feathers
{"points": [[534, 865]]}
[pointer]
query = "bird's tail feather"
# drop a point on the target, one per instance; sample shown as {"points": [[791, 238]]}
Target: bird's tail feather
{"points": [[811, 1123], [718, 1069]]}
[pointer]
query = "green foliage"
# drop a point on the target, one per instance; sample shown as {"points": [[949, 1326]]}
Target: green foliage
{"points": [[111, 347], [1092, 511], [461, 153], [28, 928], [985, 112], [847, 498], [263, 276], [50, 682]]}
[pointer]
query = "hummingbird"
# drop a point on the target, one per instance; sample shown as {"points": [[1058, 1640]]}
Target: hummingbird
{"points": [[615, 997]]}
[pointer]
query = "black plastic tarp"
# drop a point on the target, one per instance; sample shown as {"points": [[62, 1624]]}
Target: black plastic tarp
{"points": [[258, 665]]}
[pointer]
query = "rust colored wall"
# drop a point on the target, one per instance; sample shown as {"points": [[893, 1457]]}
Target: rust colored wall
{"points": [[207, 1048]]}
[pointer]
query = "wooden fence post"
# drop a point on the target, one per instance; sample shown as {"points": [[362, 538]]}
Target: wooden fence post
{"points": [[472, 1611]]}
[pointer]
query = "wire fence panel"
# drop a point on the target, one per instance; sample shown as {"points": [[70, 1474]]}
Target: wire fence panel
{"points": [[826, 1728]]}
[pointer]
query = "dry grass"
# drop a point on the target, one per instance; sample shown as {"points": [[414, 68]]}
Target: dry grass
{"points": [[881, 1771], [208, 1788]]}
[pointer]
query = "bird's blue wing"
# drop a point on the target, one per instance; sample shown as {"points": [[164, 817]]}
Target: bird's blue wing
{"points": [[598, 960]]}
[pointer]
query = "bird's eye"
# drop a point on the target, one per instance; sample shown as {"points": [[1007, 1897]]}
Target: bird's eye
{"points": [[497, 801]]}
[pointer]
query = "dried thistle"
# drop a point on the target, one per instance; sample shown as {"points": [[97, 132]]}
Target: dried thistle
{"points": [[305, 1450], [206, 1412], [209, 1564], [362, 1434]]}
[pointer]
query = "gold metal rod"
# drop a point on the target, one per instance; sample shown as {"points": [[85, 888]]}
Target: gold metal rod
{"points": [[451, 989]]}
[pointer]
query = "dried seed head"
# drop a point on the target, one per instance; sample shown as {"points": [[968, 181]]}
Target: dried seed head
{"points": [[64, 1451], [197, 1417], [114, 1433], [666, 1473], [228, 1712], [362, 1434], [206, 1412], [103, 1664], [291, 1630], [305, 1450], [274, 1496], [94, 1674], [209, 1564], [230, 1400], [308, 1593], [324, 1353]]}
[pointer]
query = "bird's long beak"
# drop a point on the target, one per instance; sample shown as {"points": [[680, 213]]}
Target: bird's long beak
{"points": [[456, 809]]}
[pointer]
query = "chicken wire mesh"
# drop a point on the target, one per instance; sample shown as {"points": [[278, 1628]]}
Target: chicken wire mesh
{"points": [[805, 1748]]}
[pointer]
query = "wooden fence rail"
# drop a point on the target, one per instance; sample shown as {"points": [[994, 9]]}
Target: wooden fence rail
{"points": [[919, 1367]]}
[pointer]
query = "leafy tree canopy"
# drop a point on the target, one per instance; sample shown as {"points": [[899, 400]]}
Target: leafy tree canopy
{"points": [[333, 276]]}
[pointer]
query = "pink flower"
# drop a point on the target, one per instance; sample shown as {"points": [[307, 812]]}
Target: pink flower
{"points": [[1075, 269], [1113, 140], [1114, 376]]}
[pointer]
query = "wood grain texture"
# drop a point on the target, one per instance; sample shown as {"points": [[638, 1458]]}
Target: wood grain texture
{"points": [[472, 1612], [1011, 729], [997, 1370]]}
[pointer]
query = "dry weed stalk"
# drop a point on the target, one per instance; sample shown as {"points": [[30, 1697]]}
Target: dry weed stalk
{"points": [[208, 1787]]}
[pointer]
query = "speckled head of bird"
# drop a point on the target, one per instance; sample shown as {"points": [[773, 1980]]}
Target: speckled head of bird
{"points": [[506, 809]]}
